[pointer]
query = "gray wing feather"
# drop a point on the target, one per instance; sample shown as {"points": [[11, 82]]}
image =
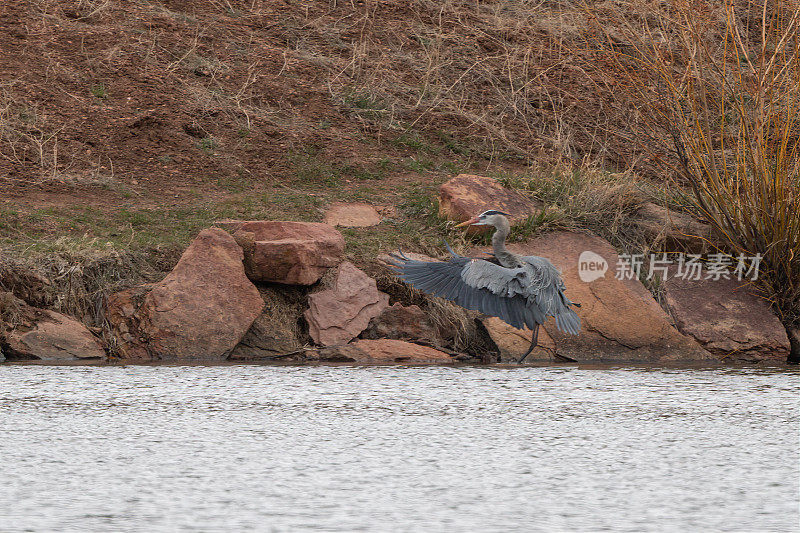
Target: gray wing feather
{"points": [[498, 279], [550, 295], [444, 279]]}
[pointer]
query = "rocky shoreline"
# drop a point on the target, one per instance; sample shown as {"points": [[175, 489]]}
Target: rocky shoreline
{"points": [[280, 291]]}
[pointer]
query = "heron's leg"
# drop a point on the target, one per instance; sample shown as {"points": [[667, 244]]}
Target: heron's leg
{"points": [[534, 342]]}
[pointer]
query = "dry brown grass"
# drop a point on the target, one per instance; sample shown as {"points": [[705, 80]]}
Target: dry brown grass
{"points": [[506, 78], [491, 82], [26, 136], [12, 311], [82, 275], [457, 325]]}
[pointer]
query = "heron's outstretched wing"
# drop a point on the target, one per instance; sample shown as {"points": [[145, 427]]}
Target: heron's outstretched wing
{"points": [[446, 280]]}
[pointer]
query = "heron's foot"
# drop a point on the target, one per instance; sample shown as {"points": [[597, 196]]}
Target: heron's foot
{"points": [[522, 359]]}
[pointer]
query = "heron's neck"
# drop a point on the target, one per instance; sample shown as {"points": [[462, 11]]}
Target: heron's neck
{"points": [[502, 254]]}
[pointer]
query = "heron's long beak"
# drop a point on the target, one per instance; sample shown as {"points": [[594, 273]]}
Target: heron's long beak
{"points": [[468, 222]]}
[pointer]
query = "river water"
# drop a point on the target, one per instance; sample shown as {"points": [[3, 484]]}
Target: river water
{"points": [[266, 448]]}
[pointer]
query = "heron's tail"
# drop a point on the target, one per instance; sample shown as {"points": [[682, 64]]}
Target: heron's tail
{"points": [[568, 321]]}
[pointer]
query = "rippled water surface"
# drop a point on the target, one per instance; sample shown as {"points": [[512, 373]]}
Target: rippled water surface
{"points": [[237, 448]]}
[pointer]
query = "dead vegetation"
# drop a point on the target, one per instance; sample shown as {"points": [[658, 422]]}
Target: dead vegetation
{"points": [[76, 278], [579, 197], [457, 326]]}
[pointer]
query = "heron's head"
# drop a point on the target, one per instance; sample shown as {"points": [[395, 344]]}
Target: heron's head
{"points": [[492, 217]]}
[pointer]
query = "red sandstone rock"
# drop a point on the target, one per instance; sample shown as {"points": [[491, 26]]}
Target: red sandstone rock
{"points": [[343, 353], [121, 313], [294, 253], [338, 314], [727, 318], [352, 215], [466, 195], [199, 312], [229, 224], [53, 337], [394, 351]]}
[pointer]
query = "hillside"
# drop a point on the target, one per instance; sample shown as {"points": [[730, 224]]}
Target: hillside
{"points": [[140, 122]]}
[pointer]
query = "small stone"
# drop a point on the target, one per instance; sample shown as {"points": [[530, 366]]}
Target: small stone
{"points": [[54, 337], [352, 215]]}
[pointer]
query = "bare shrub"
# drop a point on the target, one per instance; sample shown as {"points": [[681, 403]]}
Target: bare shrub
{"points": [[725, 84]]}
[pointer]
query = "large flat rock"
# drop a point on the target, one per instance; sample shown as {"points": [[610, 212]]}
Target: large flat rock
{"points": [[621, 320], [378, 351], [293, 253], [727, 317], [396, 351], [199, 312]]}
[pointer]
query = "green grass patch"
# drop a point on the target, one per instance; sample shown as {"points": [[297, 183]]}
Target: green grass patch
{"points": [[39, 230], [419, 166], [207, 144], [414, 141], [99, 91], [239, 182], [580, 197], [364, 100]]}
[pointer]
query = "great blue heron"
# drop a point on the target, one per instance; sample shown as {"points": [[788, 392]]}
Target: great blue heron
{"points": [[520, 290]]}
